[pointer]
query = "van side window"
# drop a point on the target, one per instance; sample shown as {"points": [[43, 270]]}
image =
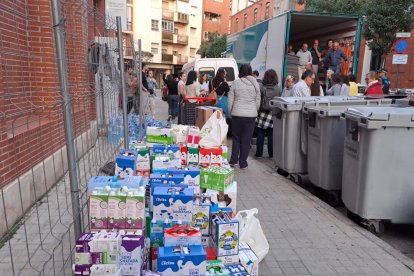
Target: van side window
{"points": [[230, 73], [207, 70]]}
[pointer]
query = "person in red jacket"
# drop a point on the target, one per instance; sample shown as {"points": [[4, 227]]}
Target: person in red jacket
{"points": [[374, 87]]}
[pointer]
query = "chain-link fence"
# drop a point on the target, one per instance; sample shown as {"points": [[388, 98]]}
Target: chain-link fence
{"points": [[37, 220]]}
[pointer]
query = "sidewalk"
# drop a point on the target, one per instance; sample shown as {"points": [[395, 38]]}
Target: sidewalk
{"points": [[306, 235]]}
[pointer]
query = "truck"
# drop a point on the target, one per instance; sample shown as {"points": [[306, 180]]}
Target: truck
{"points": [[264, 45]]}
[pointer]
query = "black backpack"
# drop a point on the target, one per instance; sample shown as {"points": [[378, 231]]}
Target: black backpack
{"points": [[267, 93]]}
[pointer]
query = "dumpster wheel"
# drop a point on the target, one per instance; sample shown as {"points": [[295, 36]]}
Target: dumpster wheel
{"points": [[296, 178], [374, 226], [333, 198]]}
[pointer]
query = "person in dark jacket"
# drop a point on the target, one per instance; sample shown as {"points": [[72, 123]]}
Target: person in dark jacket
{"points": [[269, 89], [173, 97], [219, 84], [334, 58]]}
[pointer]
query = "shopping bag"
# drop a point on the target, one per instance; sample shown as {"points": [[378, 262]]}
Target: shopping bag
{"points": [[251, 232], [214, 131]]}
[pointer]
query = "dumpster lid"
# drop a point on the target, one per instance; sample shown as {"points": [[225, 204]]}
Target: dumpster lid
{"points": [[336, 108], [296, 103], [383, 116]]}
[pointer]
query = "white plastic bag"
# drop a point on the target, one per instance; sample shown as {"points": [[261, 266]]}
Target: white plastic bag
{"points": [[214, 131], [251, 232]]}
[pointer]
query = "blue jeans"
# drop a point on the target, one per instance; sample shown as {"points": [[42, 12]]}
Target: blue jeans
{"points": [[261, 134], [336, 68], [173, 105]]}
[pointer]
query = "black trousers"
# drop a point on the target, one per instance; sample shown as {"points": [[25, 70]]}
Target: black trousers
{"points": [[242, 132]]}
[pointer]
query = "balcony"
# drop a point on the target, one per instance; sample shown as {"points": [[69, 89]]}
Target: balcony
{"points": [[167, 15], [181, 18], [167, 37], [167, 58], [182, 39]]}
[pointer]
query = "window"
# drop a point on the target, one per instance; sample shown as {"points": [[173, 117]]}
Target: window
{"points": [[129, 18], [155, 25], [245, 21], [175, 30], [154, 48], [212, 16], [167, 26], [175, 53], [255, 16], [229, 73], [267, 12], [192, 52], [236, 28], [164, 51], [209, 71]]}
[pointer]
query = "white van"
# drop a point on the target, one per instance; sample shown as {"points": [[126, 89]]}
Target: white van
{"points": [[210, 66]]}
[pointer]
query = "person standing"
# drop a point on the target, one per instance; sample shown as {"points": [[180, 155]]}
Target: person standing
{"points": [[173, 98], [374, 87], [329, 46], [316, 88], [288, 89], [143, 88], [192, 87], [264, 123], [131, 88], [316, 52], [152, 85], [334, 58], [204, 84], [243, 103], [221, 87], [302, 88], [182, 79], [385, 82], [256, 76], [304, 57]]}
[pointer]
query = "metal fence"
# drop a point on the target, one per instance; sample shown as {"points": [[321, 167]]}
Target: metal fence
{"points": [[37, 222]]}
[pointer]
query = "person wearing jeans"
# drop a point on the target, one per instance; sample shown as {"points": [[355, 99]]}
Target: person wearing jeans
{"points": [[173, 97], [243, 103]]}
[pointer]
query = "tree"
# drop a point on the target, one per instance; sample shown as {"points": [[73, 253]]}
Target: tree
{"points": [[213, 46], [382, 19]]}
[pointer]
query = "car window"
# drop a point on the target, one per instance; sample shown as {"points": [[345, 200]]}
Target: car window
{"points": [[229, 73], [207, 70]]}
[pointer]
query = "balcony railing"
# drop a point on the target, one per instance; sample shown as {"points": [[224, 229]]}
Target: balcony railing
{"points": [[167, 58], [181, 18], [182, 39], [167, 37], [168, 15]]}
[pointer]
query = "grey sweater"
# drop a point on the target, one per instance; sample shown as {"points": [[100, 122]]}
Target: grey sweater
{"points": [[244, 97]]}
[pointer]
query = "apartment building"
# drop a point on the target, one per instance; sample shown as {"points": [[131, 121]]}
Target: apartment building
{"points": [[170, 30], [246, 13], [216, 17]]}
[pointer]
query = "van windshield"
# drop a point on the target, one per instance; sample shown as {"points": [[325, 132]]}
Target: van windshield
{"points": [[209, 71]]}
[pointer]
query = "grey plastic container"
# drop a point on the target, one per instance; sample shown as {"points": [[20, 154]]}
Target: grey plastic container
{"points": [[378, 178], [290, 130], [326, 136]]}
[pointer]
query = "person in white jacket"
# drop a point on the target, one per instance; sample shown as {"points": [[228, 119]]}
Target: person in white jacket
{"points": [[243, 104]]}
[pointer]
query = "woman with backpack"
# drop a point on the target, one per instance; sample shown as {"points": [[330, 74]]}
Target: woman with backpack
{"points": [[264, 124], [219, 89]]}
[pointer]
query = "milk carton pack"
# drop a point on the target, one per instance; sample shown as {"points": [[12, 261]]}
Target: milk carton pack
{"points": [[159, 135], [191, 176], [105, 242], [184, 154], [136, 145], [227, 198], [174, 150], [216, 268], [225, 232], [236, 270], [192, 157], [131, 254], [82, 270], [216, 178], [117, 209], [225, 152], [179, 133], [201, 214], [126, 163], [115, 182], [143, 160], [105, 270], [204, 157], [193, 137], [182, 234], [173, 203], [185, 261], [165, 163], [169, 178], [217, 156], [229, 260], [135, 209], [98, 208], [154, 185], [248, 259]]}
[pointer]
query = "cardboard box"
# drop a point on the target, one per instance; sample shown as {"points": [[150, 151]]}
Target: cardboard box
{"points": [[229, 260], [191, 176], [203, 113], [236, 270], [169, 178], [187, 261], [126, 164], [201, 216], [182, 234], [164, 164], [225, 232], [228, 198], [159, 135], [173, 203], [216, 268], [216, 178], [249, 261], [131, 254]]}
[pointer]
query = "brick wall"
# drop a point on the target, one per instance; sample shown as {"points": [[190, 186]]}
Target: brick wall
{"points": [[249, 11], [31, 120], [222, 8]]}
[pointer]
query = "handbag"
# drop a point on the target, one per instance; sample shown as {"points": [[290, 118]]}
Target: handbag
{"points": [[213, 93], [165, 93]]}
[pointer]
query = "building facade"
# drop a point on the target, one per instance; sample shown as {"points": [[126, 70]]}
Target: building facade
{"points": [[216, 17], [247, 13], [170, 30]]}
